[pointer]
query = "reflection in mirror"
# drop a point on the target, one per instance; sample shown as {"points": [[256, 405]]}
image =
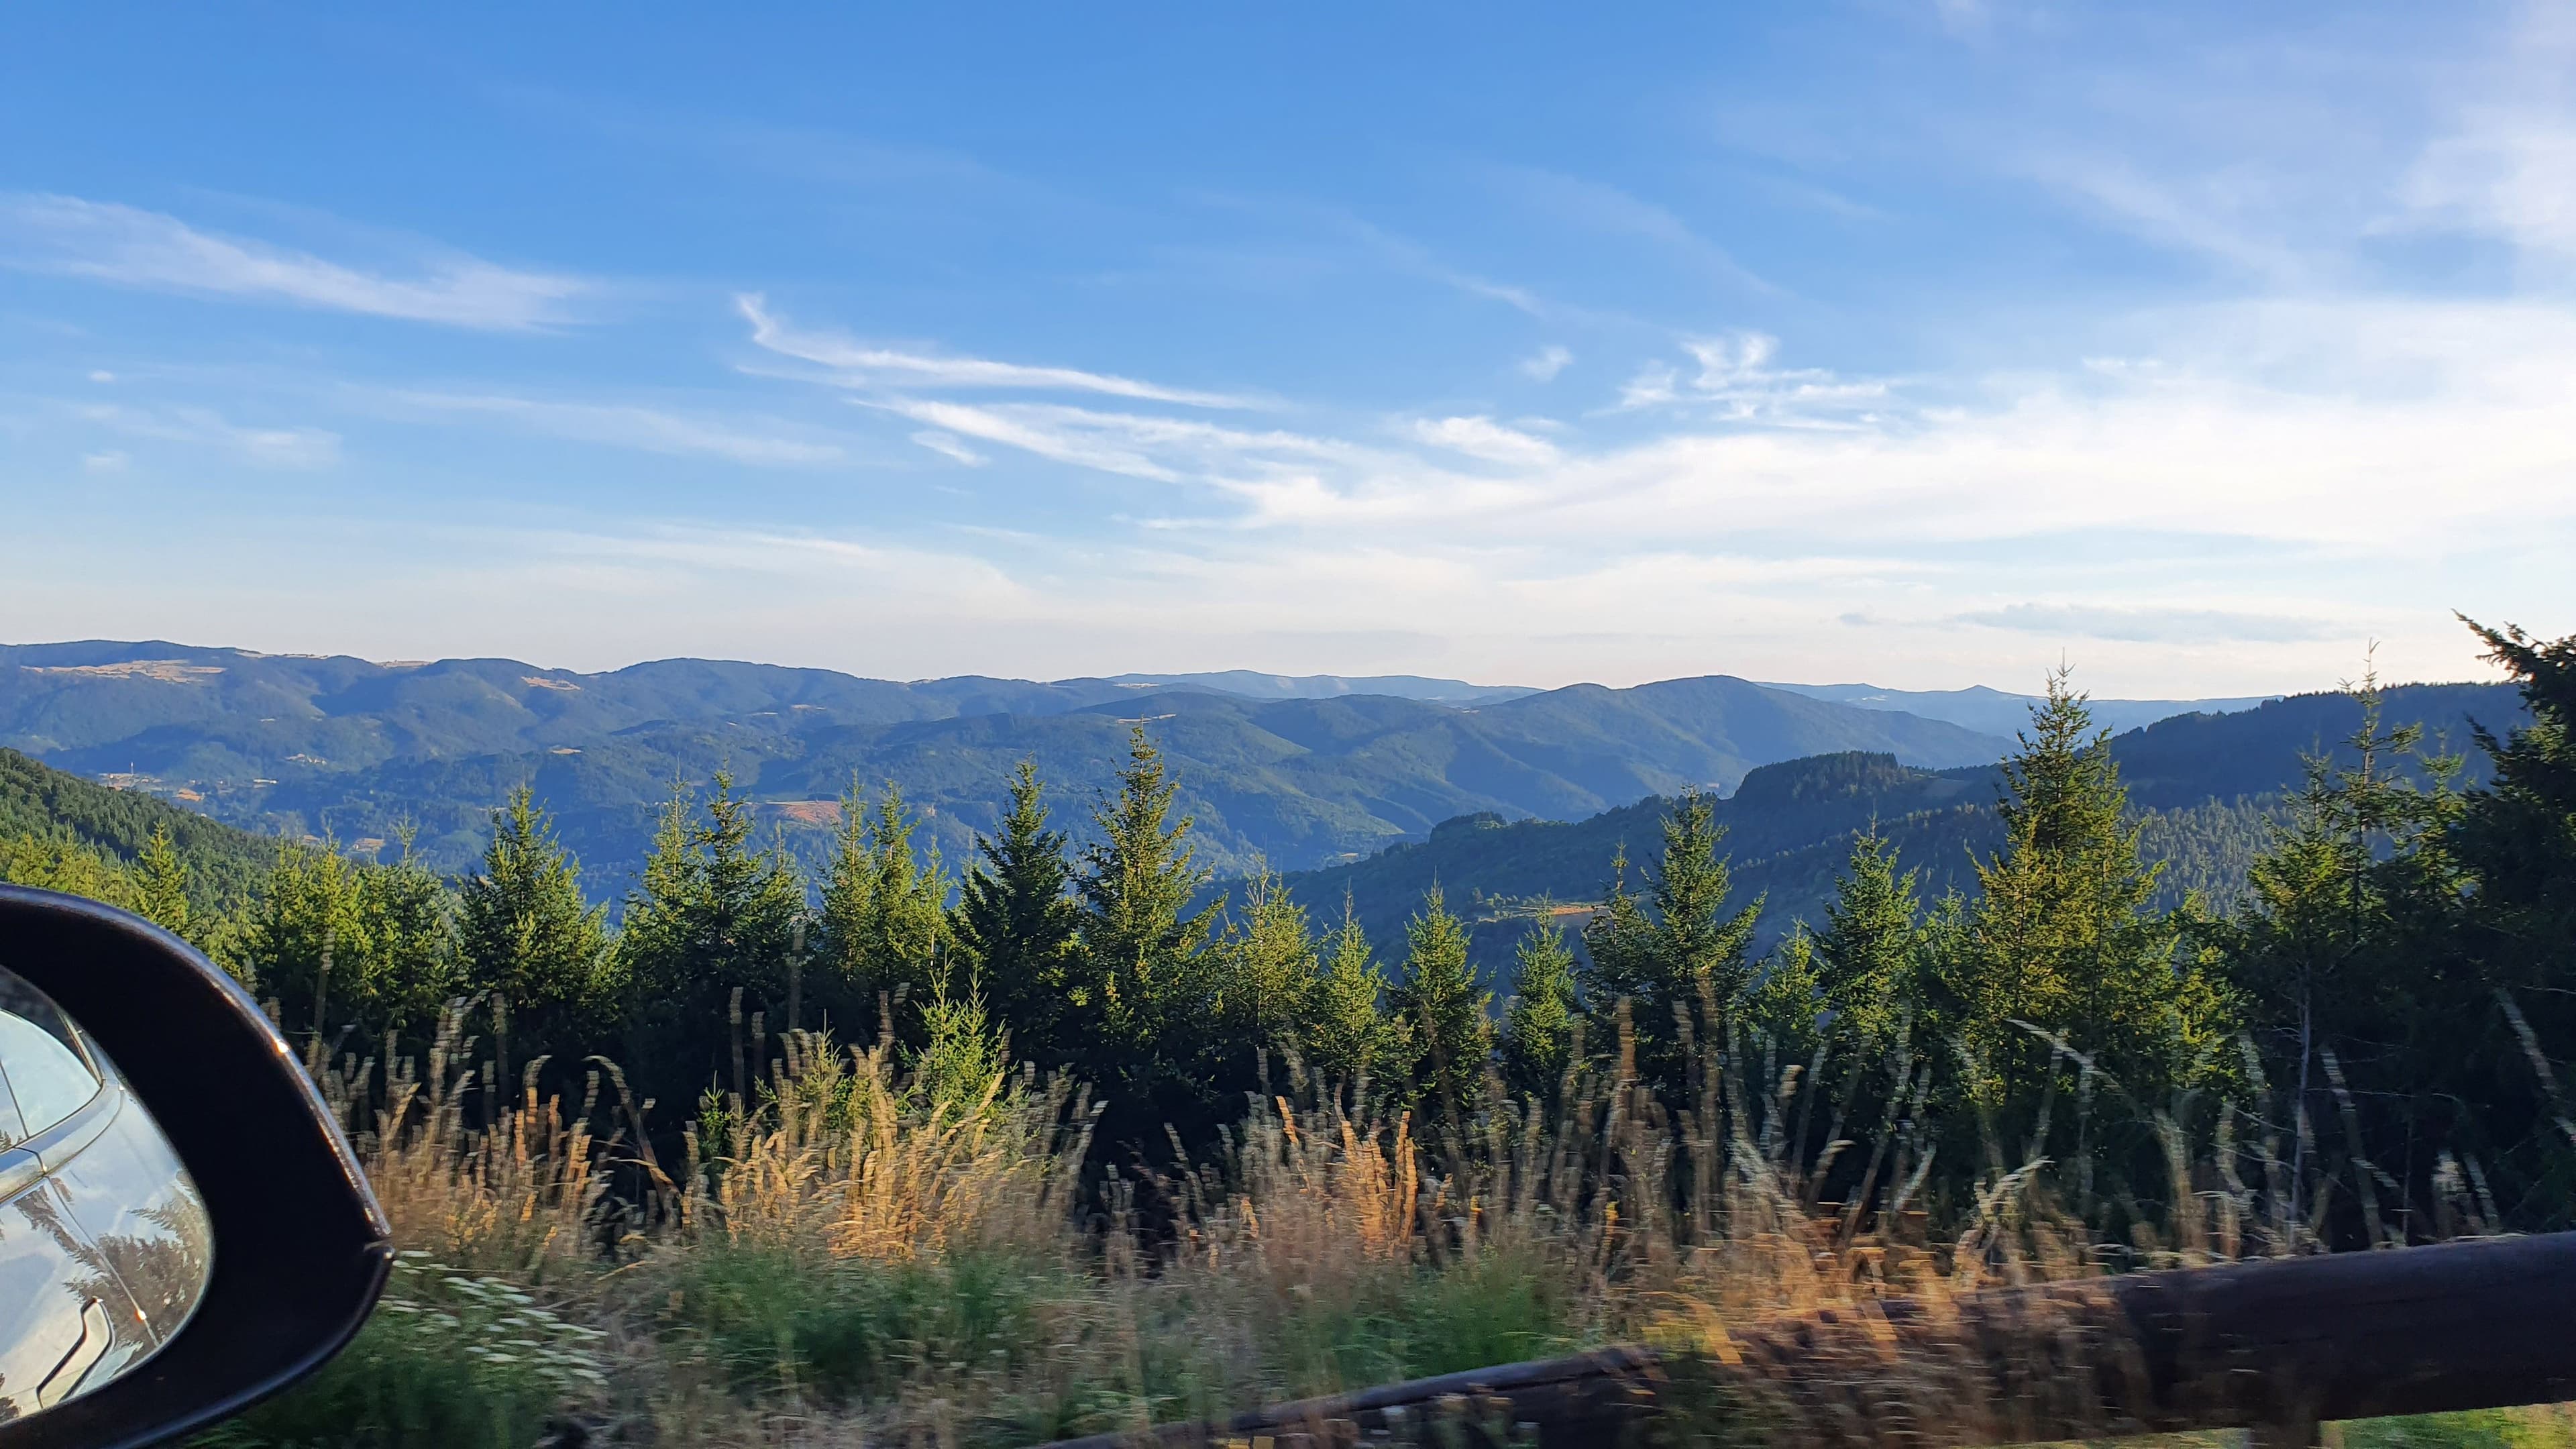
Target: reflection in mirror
{"points": [[104, 1243]]}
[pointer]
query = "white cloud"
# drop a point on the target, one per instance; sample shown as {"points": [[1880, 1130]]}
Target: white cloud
{"points": [[860, 363], [1737, 381], [2505, 165], [108, 461], [1482, 437], [102, 375], [67, 236], [948, 445], [1651, 387], [1546, 363]]}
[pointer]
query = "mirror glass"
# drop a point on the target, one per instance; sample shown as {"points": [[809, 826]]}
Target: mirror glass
{"points": [[105, 1247]]}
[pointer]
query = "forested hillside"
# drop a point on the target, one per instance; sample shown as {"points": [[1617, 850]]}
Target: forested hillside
{"points": [[2205, 787], [60, 830], [1299, 772], [1792, 910]]}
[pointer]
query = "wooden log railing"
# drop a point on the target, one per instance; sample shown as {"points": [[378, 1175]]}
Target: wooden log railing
{"points": [[2275, 1346]]}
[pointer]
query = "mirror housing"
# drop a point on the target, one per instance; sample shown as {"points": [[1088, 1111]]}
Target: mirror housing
{"points": [[300, 1247]]}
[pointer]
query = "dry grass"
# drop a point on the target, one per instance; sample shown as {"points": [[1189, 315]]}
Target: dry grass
{"points": [[862, 1255]]}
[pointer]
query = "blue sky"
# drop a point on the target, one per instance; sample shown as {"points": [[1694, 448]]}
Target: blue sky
{"points": [[1923, 343]]}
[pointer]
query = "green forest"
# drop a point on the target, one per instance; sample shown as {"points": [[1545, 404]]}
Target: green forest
{"points": [[2396, 973], [1066, 1136]]}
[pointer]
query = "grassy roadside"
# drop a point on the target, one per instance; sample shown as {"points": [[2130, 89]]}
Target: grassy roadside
{"points": [[867, 1254]]}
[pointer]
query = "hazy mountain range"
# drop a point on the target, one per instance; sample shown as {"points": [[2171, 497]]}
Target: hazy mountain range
{"points": [[1304, 772], [1996, 712], [1515, 802]]}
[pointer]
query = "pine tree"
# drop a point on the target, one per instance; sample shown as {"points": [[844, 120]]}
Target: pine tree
{"points": [[1437, 998], [526, 936], [1864, 959], [884, 927], [711, 915], [1015, 922], [2516, 838], [1145, 951], [1270, 967], [963, 1065], [160, 884], [2063, 939], [339, 945], [1676, 947], [1787, 996], [1539, 1025], [1344, 1027]]}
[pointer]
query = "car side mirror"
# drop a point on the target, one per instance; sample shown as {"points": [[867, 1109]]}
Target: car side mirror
{"points": [[183, 1229]]}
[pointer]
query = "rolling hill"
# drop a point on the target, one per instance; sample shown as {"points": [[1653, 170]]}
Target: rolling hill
{"points": [[1302, 772], [224, 864], [2205, 788]]}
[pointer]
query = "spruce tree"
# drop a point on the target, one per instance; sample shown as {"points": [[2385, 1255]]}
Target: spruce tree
{"points": [[1344, 1027], [1539, 1025], [1864, 959], [1270, 968], [2063, 939], [1437, 997], [711, 914], [1675, 947], [526, 936], [344, 946], [1145, 951], [884, 926], [1015, 922], [2516, 838], [160, 884]]}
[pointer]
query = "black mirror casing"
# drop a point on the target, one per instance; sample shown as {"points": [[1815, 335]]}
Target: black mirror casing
{"points": [[300, 1247]]}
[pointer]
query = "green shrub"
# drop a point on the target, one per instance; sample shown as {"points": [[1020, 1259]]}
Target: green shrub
{"points": [[843, 1330]]}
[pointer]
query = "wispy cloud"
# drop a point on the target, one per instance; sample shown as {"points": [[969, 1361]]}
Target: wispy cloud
{"points": [[1546, 363], [861, 363], [1738, 379], [2504, 166], [624, 425], [2215, 216], [205, 428], [2154, 625], [950, 446], [1482, 437], [1595, 206], [127, 246]]}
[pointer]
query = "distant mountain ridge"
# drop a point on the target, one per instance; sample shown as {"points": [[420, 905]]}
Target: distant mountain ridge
{"points": [[1309, 772], [2000, 712], [1255, 685], [2205, 787]]}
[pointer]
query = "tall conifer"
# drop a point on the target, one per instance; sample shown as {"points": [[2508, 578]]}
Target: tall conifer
{"points": [[1144, 949], [161, 884], [1538, 1026], [1344, 1027], [1270, 966], [1864, 958], [884, 927], [525, 934], [1016, 922], [2063, 938], [1437, 997], [1675, 947]]}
